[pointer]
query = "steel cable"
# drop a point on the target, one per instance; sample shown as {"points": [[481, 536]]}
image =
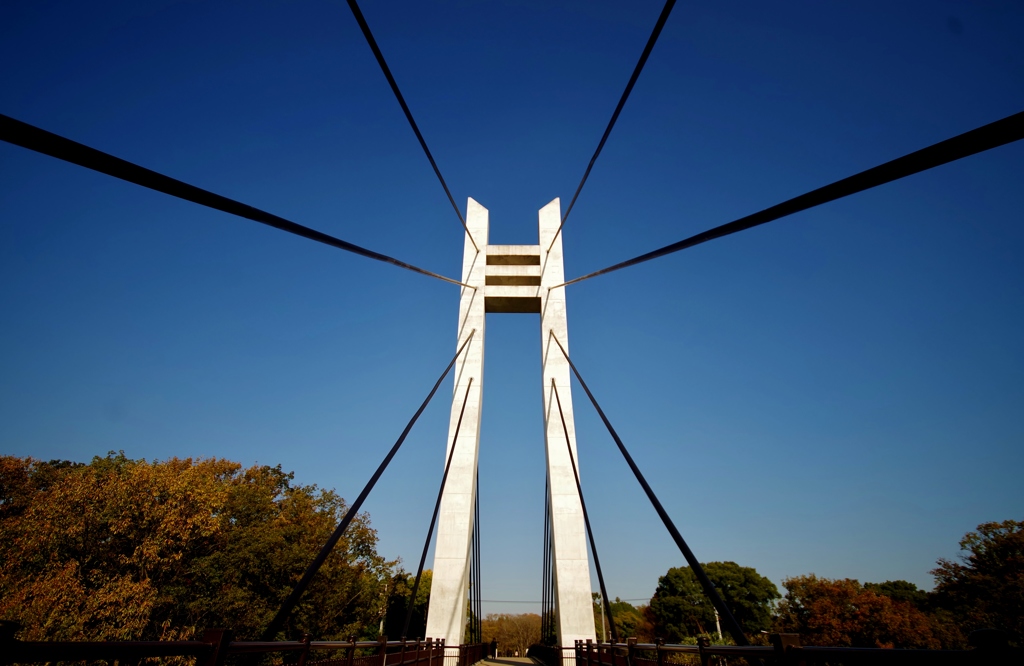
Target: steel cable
{"points": [[433, 517], [586, 517], [365, 27], [665, 11], [731, 624], [300, 587], [39, 140], [544, 622], [477, 574], [978, 140]]}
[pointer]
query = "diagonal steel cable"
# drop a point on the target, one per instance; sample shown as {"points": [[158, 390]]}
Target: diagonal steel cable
{"points": [[665, 11], [289, 604], [365, 27], [479, 564], [731, 624], [993, 135], [586, 517], [433, 517], [39, 140], [544, 564]]}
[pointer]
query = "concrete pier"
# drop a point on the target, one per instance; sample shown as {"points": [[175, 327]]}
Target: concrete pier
{"points": [[511, 279]]}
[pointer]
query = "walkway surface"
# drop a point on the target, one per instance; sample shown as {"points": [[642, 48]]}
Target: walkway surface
{"points": [[510, 661]]}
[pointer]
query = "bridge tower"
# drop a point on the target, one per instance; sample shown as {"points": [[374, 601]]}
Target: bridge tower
{"points": [[511, 279]]}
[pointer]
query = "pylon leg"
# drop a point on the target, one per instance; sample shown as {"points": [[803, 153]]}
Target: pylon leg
{"points": [[574, 605], [446, 614]]}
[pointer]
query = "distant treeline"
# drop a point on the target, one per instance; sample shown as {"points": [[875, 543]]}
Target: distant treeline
{"points": [[121, 549]]}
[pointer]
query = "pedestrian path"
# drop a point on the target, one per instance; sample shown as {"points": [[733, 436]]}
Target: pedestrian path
{"points": [[509, 661]]}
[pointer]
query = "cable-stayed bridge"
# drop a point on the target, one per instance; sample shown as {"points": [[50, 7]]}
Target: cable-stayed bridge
{"points": [[515, 279]]}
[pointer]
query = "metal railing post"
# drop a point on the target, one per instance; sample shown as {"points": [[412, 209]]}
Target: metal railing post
{"points": [[590, 648], [782, 643], [659, 654], [351, 650], [8, 628], [220, 639], [383, 650], [703, 643], [304, 655]]}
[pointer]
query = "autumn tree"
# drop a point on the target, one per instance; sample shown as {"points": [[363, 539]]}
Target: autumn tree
{"points": [[514, 633], [986, 587], [845, 613], [680, 608], [122, 549]]}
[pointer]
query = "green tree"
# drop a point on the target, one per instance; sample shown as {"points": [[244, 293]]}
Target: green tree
{"points": [[124, 549], [986, 587], [900, 590], [630, 621], [680, 609], [399, 593]]}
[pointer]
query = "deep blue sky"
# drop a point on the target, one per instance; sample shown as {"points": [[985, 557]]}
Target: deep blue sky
{"points": [[841, 392]]}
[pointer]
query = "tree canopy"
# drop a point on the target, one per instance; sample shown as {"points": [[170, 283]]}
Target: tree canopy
{"points": [[515, 633], [986, 587], [399, 593], [845, 613], [630, 621], [900, 590], [122, 549], [679, 607]]}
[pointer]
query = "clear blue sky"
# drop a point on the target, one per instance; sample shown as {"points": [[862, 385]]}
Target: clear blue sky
{"points": [[841, 392]]}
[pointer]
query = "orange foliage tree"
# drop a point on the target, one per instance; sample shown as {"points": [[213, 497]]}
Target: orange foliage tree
{"points": [[844, 613], [122, 549], [515, 633]]}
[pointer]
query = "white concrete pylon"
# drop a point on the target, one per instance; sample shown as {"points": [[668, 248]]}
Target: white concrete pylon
{"points": [[511, 279], [574, 605], [449, 587]]}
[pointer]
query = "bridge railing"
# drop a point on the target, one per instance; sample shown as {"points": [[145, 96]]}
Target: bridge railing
{"points": [[785, 649], [215, 646], [552, 655], [467, 655]]}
